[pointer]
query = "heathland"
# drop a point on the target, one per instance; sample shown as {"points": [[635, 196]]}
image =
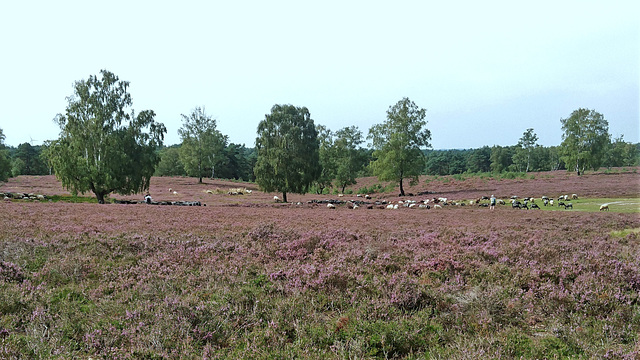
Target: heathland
{"points": [[245, 277]]}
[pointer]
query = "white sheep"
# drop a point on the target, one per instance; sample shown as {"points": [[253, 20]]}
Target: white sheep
{"points": [[331, 206], [390, 206], [175, 193], [574, 196], [437, 206], [604, 207], [276, 198]]}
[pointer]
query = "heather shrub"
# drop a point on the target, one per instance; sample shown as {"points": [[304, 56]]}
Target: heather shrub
{"points": [[307, 283]]}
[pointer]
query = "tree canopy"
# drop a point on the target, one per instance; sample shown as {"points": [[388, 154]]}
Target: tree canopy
{"points": [[287, 147], [202, 144], [5, 161], [398, 143], [585, 139], [348, 159], [102, 147]]}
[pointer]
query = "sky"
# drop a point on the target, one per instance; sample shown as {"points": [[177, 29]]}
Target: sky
{"points": [[485, 71]]}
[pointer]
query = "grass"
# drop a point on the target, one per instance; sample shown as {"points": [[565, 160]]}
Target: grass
{"points": [[618, 205]]}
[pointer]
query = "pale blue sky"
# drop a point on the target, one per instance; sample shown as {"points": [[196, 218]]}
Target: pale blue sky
{"points": [[484, 70]]}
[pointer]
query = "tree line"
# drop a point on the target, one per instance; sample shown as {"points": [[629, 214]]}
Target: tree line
{"points": [[105, 147]]}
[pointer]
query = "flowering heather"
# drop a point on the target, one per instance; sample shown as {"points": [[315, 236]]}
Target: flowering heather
{"points": [[272, 281]]}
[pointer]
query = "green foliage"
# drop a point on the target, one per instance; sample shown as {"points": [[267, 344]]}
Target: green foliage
{"points": [[202, 144], [526, 144], [479, 160], [348, 159], [5, 161], [398, 142], [376, 188], [27, 160], [170, 164], [584, 140], [327, 160], [288, 151], [102, 148]]}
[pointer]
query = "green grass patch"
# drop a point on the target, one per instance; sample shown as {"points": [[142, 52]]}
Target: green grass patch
{"points": [[618, 205], [625, 232], [73, 199]]}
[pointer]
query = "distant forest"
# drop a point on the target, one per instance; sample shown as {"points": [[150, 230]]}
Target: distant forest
{"points": [[238, 160]]}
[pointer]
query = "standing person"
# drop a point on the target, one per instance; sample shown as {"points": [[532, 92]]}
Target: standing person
{"points": [[492, 203]]}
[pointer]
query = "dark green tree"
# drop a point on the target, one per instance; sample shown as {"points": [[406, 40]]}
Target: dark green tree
{"points": [[30, 160], [202, 144], [348, 159], [584, 140], [287, 145], [526, 144], [5, 160], [170, 164], [501, 158], [479, 160], [398, 144], [326, 154], [102, 147]]}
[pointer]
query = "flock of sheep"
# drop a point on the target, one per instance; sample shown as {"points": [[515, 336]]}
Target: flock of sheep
{"points": [[438, 203]]}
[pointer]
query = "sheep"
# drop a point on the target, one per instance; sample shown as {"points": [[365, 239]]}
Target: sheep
{"points": [[367, 196], [500, 201], [175, 193], [437, 206], [604, 207], [568, 205], [331, 206], [535, 206], [276, 198], [390, 206], [551, 202], [574, 196], [340, 195], [412, 205], [170, 190], [545, 202]]}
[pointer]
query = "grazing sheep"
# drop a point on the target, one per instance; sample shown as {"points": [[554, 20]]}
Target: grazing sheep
{"points": [[500, 201], [367, 196], [331, 206], [170, 190], [560, 203], [545, 202], [276, 199], [535, 206], [175, 193], [568, 205], [604, 207], [551, 202], [574, 196], [390, 206], [437, 206]]}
